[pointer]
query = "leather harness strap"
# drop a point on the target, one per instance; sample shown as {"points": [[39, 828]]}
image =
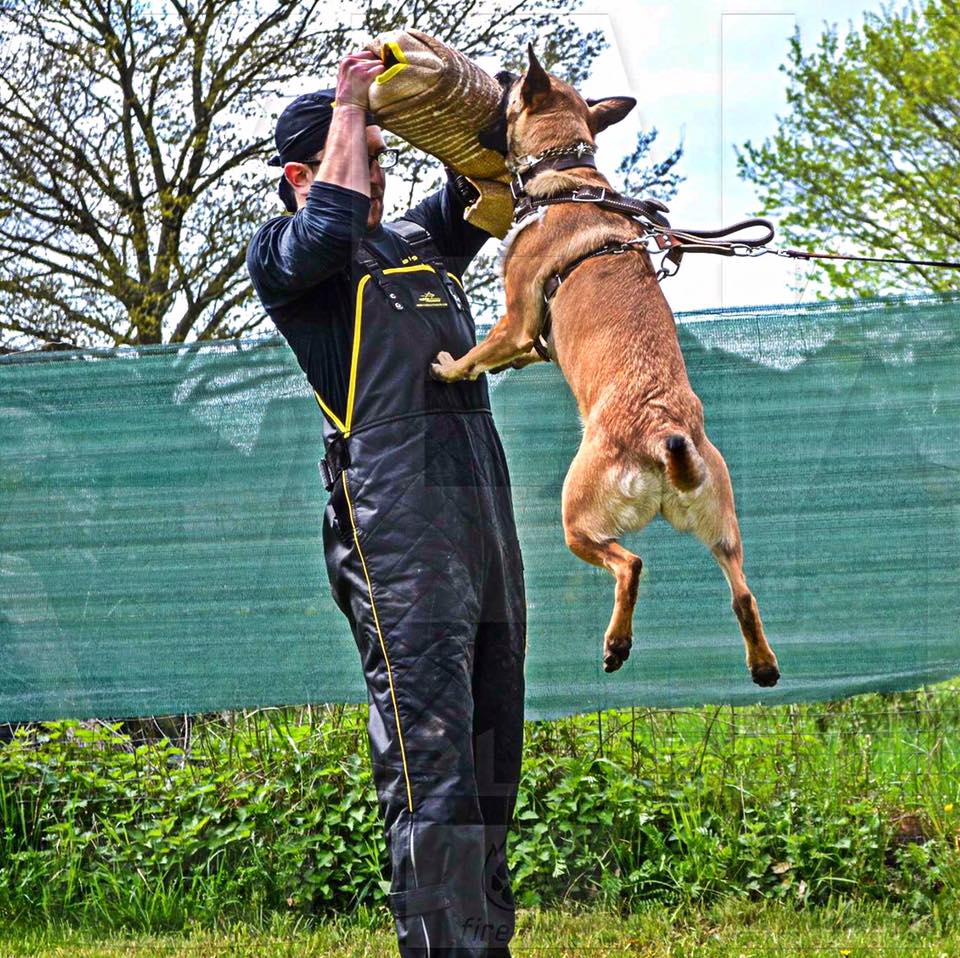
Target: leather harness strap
{"points": [[553, 284], [649, 208], [656, 227]]}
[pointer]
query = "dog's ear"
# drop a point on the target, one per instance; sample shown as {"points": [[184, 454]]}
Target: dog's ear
{"points": [[536, 82], [494, 137], [609, 110]]}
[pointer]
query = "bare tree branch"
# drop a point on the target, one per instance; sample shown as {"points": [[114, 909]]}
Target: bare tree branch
{"points": [[128, 192]]}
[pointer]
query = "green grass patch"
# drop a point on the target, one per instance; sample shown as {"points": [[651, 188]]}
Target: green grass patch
{"points": [[271, 816], [763, 930]]}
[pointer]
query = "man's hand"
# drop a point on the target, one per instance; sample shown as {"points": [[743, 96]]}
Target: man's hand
{"points": [[357, 72], [345, 160]]}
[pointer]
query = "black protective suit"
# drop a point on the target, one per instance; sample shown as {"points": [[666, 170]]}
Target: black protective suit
{"points": [[423, 560]]}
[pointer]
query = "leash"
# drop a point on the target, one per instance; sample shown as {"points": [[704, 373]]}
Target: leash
{"points": [[656, 228], [803, 254]]}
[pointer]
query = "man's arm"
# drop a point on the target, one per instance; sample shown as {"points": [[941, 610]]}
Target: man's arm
{"points": [[289, 255], [441, 215], [286, 257], [345, 159]]}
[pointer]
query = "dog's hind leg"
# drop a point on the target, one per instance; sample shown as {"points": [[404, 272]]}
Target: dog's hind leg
{"points": [[592, 499], [718, 529]]}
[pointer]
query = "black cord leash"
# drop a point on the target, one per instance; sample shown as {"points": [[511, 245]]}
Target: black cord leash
{"points": [[802, 254]]}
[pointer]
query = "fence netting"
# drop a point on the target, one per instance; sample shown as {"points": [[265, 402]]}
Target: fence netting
{"points": [[160, 513]]}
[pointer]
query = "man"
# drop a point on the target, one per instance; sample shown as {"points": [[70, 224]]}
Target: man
{"points": [[419, 533]]}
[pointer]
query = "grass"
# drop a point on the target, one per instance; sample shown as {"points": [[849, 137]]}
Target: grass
{"points": [[795, 830], [730, 930]]}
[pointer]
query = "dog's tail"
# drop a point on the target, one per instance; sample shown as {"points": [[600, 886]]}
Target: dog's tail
{"points": [[685, 466]]}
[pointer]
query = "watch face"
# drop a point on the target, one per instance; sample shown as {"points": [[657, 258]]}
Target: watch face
{"points": [[466, 189]]}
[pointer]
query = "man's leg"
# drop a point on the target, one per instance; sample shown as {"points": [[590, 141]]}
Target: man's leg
{"points": [[417, 641], [423, 763], [498, 742]]}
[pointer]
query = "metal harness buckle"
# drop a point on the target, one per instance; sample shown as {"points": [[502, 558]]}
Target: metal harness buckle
{"points": [[325, 476], [590, 195]]}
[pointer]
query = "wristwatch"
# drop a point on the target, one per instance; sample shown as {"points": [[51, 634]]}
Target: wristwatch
{"points": [[465, 189]]}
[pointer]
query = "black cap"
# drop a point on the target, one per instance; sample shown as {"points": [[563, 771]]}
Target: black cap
{"points": [[301, 132]]}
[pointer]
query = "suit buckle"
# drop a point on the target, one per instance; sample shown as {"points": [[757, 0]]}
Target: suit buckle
{"points": [[336, 460], [326, 476]]}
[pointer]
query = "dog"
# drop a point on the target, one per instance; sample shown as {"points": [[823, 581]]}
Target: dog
{"points": [[644, 449]]}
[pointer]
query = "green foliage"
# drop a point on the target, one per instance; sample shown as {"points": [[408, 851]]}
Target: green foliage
{"points": [[271, 817], [867, 159], [274, 814]]}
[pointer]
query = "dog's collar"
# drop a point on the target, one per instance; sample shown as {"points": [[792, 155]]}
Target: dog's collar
{"points": [[525, 168], [523, 163]]}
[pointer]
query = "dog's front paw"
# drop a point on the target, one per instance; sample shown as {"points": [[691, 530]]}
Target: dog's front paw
{"points": [[616, 651], [442, 368]]}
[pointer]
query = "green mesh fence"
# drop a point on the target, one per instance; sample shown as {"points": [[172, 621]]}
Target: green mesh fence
{"points": [[160, 525]]}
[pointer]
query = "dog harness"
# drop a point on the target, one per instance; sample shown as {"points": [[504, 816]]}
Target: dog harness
{"points": [[648, 213]]}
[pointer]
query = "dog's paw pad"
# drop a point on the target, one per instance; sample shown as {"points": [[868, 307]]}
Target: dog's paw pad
{"points": [[616, 652], [766, 676]]}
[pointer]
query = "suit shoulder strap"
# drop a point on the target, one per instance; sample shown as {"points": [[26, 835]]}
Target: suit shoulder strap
{"points": [[420, 241]]}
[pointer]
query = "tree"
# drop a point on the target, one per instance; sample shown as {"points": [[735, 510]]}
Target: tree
{"points": [[131, 173], [868, 158], [121, 142]]}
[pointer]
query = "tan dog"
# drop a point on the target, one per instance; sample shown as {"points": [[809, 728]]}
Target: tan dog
{"points": [[644, 448]]}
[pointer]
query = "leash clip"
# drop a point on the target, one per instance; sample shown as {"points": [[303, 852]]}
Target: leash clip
{"points": [[742, 249]]}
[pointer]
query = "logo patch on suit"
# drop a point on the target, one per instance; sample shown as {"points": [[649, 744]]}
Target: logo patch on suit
{"points": [[430, 299]]}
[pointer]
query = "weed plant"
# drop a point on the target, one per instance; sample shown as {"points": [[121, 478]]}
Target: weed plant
{"points": [[255, 815]]}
